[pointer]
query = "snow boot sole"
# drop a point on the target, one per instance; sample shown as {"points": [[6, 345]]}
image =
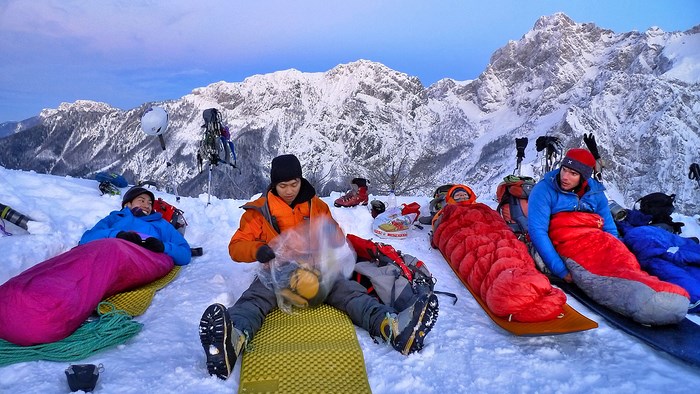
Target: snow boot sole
{"points": [[214, 330], [424, 318]]}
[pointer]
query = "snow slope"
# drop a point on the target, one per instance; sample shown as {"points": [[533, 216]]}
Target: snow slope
{"points": [[464, 353]]}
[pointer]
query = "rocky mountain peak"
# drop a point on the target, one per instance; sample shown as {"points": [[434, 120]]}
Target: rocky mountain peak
{"points": [[633, 91]]}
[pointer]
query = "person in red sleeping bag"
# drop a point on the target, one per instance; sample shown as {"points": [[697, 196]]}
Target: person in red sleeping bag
{"points": [[573, 232]]}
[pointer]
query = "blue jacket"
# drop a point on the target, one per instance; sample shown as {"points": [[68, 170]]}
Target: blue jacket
{"points": [[153, 225], [546, 199]]}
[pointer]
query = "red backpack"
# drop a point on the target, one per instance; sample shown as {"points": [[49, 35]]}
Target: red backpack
{"points": [[171, 214], [395, 278], [512, 195]]}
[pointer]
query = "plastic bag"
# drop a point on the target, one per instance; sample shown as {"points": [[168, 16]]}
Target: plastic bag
{"points": [[309, 259], [394, 223]]}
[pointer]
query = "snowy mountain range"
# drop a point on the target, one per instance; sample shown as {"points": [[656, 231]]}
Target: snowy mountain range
{"points": [[638, 93]]}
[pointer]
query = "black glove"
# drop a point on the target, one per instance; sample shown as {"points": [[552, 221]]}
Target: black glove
{"points": [[591, 144], [520, 145], [129, 236], [153, 244], [138, 212], [264, 254]]}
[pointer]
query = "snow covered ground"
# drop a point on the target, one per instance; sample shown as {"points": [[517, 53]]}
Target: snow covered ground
{"points": [[464, 353]]}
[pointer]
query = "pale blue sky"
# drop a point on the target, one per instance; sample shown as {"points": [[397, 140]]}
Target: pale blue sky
{"points": [[126, 53]]}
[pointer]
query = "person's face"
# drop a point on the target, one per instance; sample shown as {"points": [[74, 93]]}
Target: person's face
{"points": [[142, 201], [568, 179], [460, 196], [288, 190]]}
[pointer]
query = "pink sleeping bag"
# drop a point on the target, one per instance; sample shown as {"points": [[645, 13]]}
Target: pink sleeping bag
{"points": [[49, 301]]}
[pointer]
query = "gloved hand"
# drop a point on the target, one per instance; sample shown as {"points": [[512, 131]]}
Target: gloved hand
{"points": [[333, 234], [138, 212], [153, 244], [264, 254], [591, 144], [129, 236]]}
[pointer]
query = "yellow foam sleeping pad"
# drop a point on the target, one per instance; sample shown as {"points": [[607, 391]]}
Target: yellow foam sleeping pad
{"points": [[136, 301], [314, 350]]}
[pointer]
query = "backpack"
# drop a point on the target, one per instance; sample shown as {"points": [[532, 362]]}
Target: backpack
{"points": [[211, 146], [436, 203], [212, 118], [113, 178], [396, 279], [171, 214], [660, 207], [512, 195]]}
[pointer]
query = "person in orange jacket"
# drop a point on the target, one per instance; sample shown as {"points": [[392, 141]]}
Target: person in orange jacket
{"points": [[290, 201]]}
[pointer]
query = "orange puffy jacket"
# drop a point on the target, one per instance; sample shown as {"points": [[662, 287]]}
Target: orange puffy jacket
{"points": [[265, 218]]}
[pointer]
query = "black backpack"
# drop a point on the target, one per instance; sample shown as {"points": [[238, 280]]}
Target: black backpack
{"points": [[660, 207], [210, 146]]}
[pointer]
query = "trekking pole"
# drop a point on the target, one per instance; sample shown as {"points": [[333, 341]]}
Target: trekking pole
{"points": [[169, 165], [520, 145], [209, 184], [694, 173], [171, 180], [589, 139]]}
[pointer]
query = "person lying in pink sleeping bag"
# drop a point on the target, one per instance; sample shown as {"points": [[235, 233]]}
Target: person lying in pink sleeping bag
{"points": [[127, 249]]}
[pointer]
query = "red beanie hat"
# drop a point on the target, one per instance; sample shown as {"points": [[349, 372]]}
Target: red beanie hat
{"points": [[579, 160]]}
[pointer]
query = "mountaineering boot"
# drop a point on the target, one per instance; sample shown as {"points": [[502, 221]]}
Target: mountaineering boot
{"points": [[407, 330], [221, 341], [356, 196]]}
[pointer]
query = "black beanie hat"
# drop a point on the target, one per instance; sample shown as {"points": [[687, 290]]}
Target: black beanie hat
{"points": [[284, 168], [134, 192]]}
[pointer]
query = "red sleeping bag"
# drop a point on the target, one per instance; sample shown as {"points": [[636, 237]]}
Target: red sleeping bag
{"points": [[49, 301], [485, 253], [603, 267]]}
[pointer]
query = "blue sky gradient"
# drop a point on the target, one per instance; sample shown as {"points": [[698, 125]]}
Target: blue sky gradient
{"points": [[126, 53]]}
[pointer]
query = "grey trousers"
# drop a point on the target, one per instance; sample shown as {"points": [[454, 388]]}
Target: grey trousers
{"points": [[364, 310]]}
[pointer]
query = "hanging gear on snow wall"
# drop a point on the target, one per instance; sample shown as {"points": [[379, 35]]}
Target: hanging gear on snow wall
{"points": [[155, 122], [215, 146]]}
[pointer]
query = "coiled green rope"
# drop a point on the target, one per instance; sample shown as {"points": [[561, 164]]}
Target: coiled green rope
{"points": [[112, 328]]}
